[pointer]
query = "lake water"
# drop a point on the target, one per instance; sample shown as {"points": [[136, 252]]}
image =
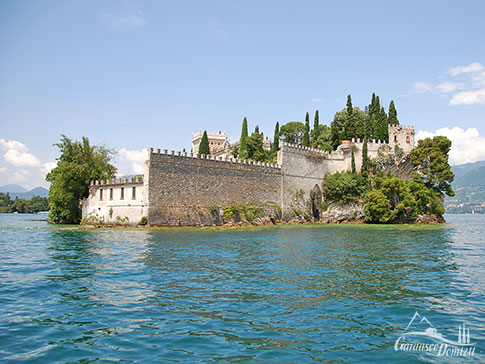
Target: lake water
{"points": [[287, 294]]}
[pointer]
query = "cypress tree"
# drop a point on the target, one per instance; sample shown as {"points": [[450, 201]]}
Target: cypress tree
{"points": [[365, 161], [349, 121], [243, 148], [204, 144], [316, 127], [384, 126], [276, 138], [306, 135], [353, 160], [392, 114]]}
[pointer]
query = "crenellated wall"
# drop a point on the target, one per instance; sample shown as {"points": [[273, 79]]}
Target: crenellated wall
{"points": [[181, 186]]}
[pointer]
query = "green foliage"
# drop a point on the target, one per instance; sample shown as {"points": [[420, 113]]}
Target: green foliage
{"points": [[21, 205], [316, 129], [345, 127], [324, 139], [231, 210], [392, 114], [306, 134], [395, 200], [204, 144], [92, 219], [431, 158], [343, 187], [214, 209], [122, 220], [78, 164], [255, 149], [143, 221], [292, 132], [243, 150], [276, 137]]}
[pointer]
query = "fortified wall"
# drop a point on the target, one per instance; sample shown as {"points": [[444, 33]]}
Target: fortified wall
{"points": [[180, 188]]}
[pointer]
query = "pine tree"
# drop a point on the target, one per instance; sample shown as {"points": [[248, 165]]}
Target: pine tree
{"points": [[383, 126], [353, 161], [204, 144], [256, 129], [365, 161], [392, 114], [306, 135], [243, 149], [276, 138], [316, 127]]}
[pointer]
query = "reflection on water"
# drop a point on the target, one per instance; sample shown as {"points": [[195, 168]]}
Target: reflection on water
{"points": [[277, 294]]}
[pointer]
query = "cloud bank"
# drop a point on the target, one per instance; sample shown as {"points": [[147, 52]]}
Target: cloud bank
{"points": [[467, 146]]}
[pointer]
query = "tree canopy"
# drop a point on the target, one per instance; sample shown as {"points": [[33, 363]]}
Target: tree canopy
{"points": [[431, 159], [292, 132], [78, 164]]}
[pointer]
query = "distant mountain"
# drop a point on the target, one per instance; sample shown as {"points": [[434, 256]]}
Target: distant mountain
{"points": [[20, 192], [12, 189], [469, 186], [462, 169], [475, 177]]}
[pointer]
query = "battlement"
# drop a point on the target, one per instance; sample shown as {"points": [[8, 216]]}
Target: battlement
{"points": [[296, 147], [369, 141], [223, 160], [401, 127], [118, 181]]}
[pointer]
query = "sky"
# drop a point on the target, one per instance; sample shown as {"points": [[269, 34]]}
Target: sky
{"points": [[137, 74]]}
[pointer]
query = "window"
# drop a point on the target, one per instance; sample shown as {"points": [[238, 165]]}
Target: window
{"points": [[100, 194], [395, 138], [408, 139], [133, 193], [110, 193], [122, 195]]}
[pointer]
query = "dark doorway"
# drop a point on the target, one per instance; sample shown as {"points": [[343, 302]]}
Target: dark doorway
{"points": [[316, 199]]}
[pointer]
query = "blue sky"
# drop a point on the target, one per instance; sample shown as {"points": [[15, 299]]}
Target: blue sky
{"points": [[135, 74]]}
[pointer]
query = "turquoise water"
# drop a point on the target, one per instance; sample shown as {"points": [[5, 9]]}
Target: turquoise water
{"points": [[289, 294]]}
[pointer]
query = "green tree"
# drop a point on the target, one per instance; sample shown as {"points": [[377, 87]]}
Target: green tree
{"points": [[306, 134], [316, 129], [255, 146], [78, 164], [392, 114], [204, 144], [431, 159], [341, 124], [276, 138], [243, 151], [343, 187], [292, 132], [324, 140]]}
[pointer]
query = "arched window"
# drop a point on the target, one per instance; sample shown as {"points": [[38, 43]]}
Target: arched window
{"points": [[408, 139], [395, 138]]}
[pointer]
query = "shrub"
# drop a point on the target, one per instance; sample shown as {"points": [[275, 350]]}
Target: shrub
{"points": [[143, 221], [343, 187], [214, 209]]}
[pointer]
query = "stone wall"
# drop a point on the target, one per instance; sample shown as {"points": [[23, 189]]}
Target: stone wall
{"points": [[182, 186]]}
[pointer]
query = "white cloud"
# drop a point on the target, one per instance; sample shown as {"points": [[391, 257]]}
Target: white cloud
{"points": [[469, 97], [465, 84], [473, 67], [318, 99], [18, 154], [132, 161], [420, 87], [131, 16], [3, 169], [49, 166], [449, 86], [467, 146], [20, 176]]}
